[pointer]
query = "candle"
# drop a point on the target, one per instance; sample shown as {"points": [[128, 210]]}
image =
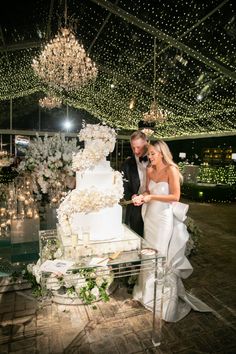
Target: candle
{"points": [[21, 198], [86, 237], [80, 234], [74, 240], [3, 210], [29, 213]]}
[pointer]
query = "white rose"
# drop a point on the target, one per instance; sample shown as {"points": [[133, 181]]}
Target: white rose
{"points": [[70, 280], [99, 281], [30, 267], [95, 292]]}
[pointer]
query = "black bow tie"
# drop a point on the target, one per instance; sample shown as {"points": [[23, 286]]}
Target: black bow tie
{"points": [[143, 158]]}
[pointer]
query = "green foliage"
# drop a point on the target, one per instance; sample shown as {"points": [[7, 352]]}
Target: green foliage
{"points": [[71, 291], [87, 293], [37, 290]]}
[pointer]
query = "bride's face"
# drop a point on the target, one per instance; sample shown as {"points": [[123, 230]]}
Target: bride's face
{"points": [[153, 155]]}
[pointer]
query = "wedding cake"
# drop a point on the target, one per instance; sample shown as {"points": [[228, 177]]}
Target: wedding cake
{"points": [[91, 214]]}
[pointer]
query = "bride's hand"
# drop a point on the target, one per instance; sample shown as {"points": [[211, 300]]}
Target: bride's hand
{"points": [[147, 198]]}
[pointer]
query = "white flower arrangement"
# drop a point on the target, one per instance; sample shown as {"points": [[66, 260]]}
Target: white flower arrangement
{"points": [[98, 132], [90, 200], [99, 142], [89, 156], [49, 161], [194, 235], [88, 284]]}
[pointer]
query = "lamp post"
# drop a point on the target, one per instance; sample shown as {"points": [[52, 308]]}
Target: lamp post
{"points": [[67, 123]]}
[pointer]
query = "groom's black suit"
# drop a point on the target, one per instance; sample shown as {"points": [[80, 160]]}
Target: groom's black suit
{"points": [[133, 217]]}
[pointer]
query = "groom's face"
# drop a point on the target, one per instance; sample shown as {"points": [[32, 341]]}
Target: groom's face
{"points": [[139, 147]]}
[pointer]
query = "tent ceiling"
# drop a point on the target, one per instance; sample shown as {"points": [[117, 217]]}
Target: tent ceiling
{"points": [[195, 59]]}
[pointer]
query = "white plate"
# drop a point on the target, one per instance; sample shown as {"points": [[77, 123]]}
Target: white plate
{"points": [[148, 251]]}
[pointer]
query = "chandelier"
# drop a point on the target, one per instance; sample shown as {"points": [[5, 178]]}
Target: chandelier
{"points": [[50, 102], [155, 114], [148, 132], [63, 64]]}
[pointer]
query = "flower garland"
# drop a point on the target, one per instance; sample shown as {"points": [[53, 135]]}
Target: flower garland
{"points": [[90, 200]]}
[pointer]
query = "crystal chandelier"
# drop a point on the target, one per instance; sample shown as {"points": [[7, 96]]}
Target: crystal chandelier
{"points": [[155, 114], [63, 64], [50, 102], [148, 132]]}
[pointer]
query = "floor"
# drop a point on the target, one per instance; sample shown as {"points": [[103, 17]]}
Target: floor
{"points": [[123, 326]]}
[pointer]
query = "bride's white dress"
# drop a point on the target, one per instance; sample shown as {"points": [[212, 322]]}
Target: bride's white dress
{"points": [[165, 231]]}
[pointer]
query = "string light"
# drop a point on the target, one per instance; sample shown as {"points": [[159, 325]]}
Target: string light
{"points": [[124, 50]]}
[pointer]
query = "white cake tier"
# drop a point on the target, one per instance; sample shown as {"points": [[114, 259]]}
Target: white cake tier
{"points": [[105, 224], [100, 176], [129, 241]]}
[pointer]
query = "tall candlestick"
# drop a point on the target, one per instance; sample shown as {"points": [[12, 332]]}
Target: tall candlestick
{"points": [[74, 240]]}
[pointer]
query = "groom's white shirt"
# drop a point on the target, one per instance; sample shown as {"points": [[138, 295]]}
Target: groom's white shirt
{"points": [[142, 174]]}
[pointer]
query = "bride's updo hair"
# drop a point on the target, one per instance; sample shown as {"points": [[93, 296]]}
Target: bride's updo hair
{"points": [[167, 156]]}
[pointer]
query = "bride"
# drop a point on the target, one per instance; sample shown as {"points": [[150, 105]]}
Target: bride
{"points": [[165, 231]]}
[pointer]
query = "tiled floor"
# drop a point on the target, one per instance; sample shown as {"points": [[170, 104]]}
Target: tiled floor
{"points": [[122, 326]]}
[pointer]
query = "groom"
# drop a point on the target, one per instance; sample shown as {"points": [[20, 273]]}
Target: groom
{"points": [[134, 175]]}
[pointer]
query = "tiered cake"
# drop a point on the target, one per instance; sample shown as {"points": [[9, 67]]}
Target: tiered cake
{"points": [[91, 214]]}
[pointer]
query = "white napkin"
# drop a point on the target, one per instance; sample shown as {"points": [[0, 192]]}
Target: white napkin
{"points": [[56, 266]]}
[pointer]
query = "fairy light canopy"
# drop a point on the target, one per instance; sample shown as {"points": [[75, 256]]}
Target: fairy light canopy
{"points": [[195, 60]]}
